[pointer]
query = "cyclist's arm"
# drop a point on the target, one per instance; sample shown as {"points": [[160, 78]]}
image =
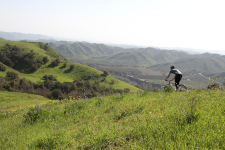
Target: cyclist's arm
{"points": [[167, 77], [173, 78]]}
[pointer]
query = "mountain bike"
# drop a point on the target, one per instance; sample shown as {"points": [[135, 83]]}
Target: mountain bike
{"points": [[181, 87]]}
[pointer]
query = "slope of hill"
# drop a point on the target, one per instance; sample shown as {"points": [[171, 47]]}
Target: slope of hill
{"points": [[160, 120], [58, 43], [204, 64], [142, 57], [216, 76], [116, 55], [64, 71], [84, 50], [16, 36]]}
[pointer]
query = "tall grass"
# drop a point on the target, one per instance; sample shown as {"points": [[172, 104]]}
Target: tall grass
{"points": [[161, 120]]}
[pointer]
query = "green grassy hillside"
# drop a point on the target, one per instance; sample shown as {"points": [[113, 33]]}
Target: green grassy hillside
{"points": [[63, 74], [22, 75], [26, 47], [13, 101], [178, 120]]}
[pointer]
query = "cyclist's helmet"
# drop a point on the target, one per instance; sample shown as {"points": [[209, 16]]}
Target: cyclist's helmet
{"points": [[172, 67]]}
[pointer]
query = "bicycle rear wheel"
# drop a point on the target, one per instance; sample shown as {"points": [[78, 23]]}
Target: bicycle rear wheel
{"points": [[182, 88]]}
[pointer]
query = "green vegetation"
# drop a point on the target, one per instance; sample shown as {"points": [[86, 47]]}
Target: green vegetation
{"points": [[2, 67], [157, 120], [118, 61], [47, 72], [14, 101]]}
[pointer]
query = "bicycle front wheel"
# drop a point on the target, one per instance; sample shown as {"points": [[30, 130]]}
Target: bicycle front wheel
{"points": [[182, 87]]}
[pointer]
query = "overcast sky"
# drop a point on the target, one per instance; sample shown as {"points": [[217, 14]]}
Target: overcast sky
{"points": [[195, 24]]}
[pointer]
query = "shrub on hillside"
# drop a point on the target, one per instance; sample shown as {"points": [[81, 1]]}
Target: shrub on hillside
{"points": [[35, 114], [64, 65], [106, 73], [49, 77], [56, 62], [2, 67], [57, 94], [7, 61], [48, 84], [72, 67], [7, 86], [45, 59], [112, 81], [118, 91], [213, 86], [34, 66], [12, 76], [126, 90], [44, 46], [86, 77]]}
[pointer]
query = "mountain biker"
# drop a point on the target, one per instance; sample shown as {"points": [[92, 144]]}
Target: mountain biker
{"points": [[177, 77]]}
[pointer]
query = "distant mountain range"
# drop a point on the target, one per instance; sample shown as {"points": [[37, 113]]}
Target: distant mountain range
{"points": [[188, 50], [15, 36], [143, 57], [153, 58], [84, 50], [204, 64], [130, 55]]}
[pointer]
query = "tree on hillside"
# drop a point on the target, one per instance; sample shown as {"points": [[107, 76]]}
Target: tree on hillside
{"points": [[12, 76], [7, 61], [45, 59], [56, 62], [64, 65], [57, 94], [2, 67], [72, 67], [126, 90], [50, 77], [34, 67], [46, 47], [106, 73]]}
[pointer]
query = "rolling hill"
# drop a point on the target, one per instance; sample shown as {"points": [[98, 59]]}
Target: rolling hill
{"points": [[84, 50], [156, 59], [149, 58], [62, 71], [204, 63], [116, 55], [142, 57]]}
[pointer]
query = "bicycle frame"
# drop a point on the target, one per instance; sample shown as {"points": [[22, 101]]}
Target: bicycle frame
{"points": [[181, 87]]}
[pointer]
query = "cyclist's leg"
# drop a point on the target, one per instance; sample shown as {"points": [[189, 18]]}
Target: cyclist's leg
{"points": [[177, 80]]}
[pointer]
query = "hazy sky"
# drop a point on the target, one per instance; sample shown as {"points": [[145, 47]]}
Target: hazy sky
{"points": [[166, 23]]}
